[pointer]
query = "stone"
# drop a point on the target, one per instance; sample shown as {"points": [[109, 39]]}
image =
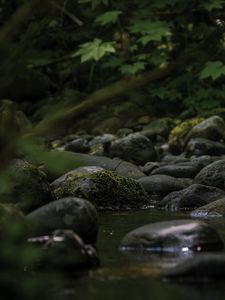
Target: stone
{"points": [[150, 166], [177, 170], [69, 213], [212, 128], [202, 146], [174, 236], [200, 267], [178, 134], [66, 161], [135, 148], [105, 189], [194, 196], [160, 127], [64, 250], [78, 145], [28, 186], [163, 184], [213, 174], [76, 172], [213, 209]]}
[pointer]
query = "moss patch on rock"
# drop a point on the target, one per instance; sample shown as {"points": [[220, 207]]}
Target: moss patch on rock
{"points": [[105, 189], [181, 130]]}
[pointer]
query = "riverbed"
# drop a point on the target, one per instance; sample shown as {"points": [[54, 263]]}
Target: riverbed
{"points": [[136, 277]]}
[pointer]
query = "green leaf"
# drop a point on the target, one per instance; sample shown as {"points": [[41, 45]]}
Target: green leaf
{"points": [[213, 69], [95, 49], [110, 17], [132, 69], [150, 31]]}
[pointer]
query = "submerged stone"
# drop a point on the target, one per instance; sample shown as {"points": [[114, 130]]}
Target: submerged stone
{"points": [[200, 267], [172, 236], [65, 250]]}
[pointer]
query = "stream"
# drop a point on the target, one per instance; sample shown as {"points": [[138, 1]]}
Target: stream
{"points": [[121, 277]]}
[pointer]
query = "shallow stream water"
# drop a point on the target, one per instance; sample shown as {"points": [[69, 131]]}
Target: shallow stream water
{"points": [[135, 278]]}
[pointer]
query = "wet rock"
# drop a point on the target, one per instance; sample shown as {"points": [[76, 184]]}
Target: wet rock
{"points": [[213, 209], [194, 196], [150, 166], [134, 148], [212, 128], [173, 236], [204, 160], [100, 144], [173, 159], [160, 127], [78, 145], [71, 160], [27, 186], [70, 213], [65, 250], [201, 267], [76, 172], [178, 134], [163, 184], [105, 189], [213, 174], [177, 170], [202, 146]]}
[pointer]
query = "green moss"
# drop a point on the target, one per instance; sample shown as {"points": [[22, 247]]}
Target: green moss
{"points": [[182, 129], [105, 189]]}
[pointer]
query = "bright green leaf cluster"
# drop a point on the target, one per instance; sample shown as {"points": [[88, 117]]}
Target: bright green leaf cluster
{"points": [[94, 50]]}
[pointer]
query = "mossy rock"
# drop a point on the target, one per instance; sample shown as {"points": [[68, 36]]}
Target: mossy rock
{"points": [[26, 186], [177, 135], [105, 189]]}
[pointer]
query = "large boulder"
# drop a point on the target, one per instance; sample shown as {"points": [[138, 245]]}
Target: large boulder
{"points": [[74, 214], [202, 146], [25, 186], [212, 128], [196, 195], [104, 188], [213, 174], [135, 148], [58, 163], [172, 236], [213, 209], [201, 267]]}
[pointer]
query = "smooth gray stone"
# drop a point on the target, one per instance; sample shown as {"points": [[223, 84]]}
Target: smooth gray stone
{"points": [[163, 184], [135, 148], [212, 128], [196, 195], [201, 146], [75, 214], [213, 174], [178, 171], [214, 209], [172, 236]]}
